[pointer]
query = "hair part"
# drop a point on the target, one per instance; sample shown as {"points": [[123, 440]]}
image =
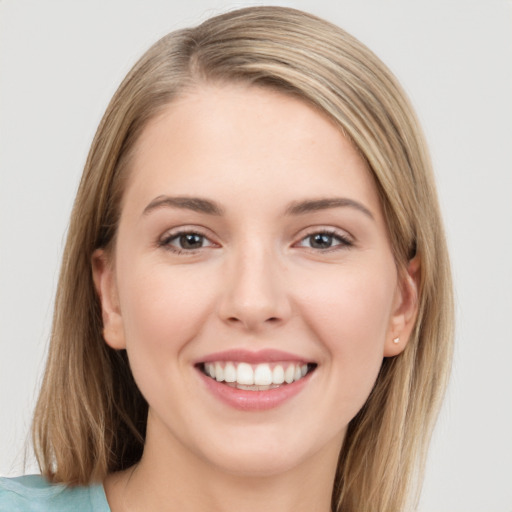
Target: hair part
{"points": [[90, 418]]}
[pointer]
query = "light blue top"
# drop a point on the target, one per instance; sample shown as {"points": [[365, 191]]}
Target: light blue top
{"points": [[32, 493]]}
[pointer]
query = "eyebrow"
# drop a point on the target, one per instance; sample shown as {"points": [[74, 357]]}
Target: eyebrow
{"points": [[195, 204], [209, 207], [313, 205]]}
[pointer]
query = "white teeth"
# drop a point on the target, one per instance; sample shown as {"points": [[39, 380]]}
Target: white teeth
{"points": [[255, 377], [210, 369], [230, 372], [278, 374], [289, 374], [263, 375], [219, 372], [244, 374]]}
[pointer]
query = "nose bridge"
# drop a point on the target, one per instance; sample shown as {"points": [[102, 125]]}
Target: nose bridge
{"points": [[255, 294]]}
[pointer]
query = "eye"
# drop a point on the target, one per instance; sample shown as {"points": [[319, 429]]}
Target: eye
{"points": [[325, 240], [185, 241]]}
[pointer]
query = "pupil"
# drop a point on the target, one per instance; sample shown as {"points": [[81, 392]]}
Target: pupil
{"points": [[321, 241], [191, 241]]}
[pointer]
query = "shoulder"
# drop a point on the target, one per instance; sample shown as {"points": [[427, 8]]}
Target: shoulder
{"points": [[34, 493]]}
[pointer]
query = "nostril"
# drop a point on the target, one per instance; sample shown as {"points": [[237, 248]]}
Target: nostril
{"points": [[233, 320]]}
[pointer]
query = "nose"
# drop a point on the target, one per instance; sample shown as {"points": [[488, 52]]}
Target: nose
{"points": [[255, 296]]}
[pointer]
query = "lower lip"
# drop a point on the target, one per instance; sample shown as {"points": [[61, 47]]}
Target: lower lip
{"points": [[254, 400]]}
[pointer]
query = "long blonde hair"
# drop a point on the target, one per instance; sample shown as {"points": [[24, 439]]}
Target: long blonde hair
{"points": [[90, 418]]}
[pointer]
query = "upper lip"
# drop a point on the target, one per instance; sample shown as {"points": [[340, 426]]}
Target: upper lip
{"points": [[253, 357]]}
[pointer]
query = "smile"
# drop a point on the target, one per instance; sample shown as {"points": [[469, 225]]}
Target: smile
{"points": [[256, 377]]}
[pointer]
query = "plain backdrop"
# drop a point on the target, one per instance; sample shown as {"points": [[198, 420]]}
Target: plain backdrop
{"points": [[61, 61]]}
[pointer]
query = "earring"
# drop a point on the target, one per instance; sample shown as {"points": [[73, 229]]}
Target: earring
{"points": [[396, 340]]}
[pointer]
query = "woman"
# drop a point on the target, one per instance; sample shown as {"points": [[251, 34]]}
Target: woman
{"points": [[255, 305]]}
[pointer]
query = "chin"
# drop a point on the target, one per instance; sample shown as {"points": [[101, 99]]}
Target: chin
{"points": [[268, 454], [260, 464]]}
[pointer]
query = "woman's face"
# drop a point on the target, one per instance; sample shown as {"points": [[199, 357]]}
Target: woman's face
{"points": [[251, 249]]}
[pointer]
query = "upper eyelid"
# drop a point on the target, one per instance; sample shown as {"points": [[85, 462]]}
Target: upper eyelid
{"points": [[331, 230], [181, 230]]}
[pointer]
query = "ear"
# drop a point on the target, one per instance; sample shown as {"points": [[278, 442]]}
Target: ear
{"points": [[405, 310], [106, 288]]}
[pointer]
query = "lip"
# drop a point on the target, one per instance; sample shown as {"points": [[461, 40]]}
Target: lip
{"points": [[246, 400], [253, 400], [252, 357]]}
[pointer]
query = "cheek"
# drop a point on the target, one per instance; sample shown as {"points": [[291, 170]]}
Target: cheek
{"points": [[355, 304], [162, 310], [350, 316]]}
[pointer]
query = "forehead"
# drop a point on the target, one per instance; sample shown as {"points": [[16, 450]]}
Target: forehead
{"points": [[225, 138]]}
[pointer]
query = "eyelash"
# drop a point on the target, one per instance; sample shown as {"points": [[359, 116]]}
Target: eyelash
{"points": [[344, 241], [165, 242]]}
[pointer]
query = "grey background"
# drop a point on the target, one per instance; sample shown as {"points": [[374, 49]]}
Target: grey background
{"points": [[60, 62]]}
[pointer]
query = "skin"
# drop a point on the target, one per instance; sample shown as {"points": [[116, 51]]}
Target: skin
{"points": [[255, 281]]}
